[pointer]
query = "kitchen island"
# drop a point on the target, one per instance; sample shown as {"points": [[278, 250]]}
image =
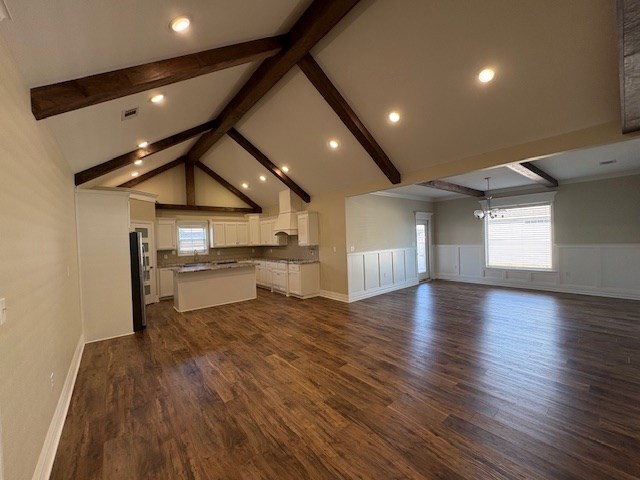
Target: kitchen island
{"points": [[208, 285]]}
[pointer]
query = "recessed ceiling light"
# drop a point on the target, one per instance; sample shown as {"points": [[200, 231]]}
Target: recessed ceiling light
{"points": [[486, 75], [143, 144], [285, 169], [245, 185], [157, 98], [262, 178], [138, 162], [134, 174], [180, 24], [333, 144], [394, 117]]}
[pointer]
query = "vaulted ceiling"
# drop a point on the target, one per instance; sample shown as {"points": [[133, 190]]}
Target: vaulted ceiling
{"points": [[555, 61]]}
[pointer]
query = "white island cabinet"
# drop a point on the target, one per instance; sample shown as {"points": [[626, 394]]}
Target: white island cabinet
{"points": [[210, 285]]}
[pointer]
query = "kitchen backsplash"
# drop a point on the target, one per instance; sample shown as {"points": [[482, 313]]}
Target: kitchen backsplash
{"points": [[292, 250]]}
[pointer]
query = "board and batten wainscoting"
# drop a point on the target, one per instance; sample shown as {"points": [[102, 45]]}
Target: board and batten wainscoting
{"points": [[607, 270], [380, 271]]}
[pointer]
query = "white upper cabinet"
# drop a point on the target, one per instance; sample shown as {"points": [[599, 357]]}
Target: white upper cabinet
{"points": [[308, 229], [254, 230], [228, 234], [267, 237], [166, 234]]}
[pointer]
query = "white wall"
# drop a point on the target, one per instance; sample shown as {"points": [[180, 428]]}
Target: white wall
{"points": [[610, 270], [375, 272], [38, 275], [105, 268]]}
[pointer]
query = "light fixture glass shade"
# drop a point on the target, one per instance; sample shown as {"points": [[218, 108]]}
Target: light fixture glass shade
{"points": [[488, 211]]}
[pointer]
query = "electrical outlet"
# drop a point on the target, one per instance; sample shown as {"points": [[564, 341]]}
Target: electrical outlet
{"points": [[352, 248], [3, 311], [334, 249], [165, 256], [218, 252], [68, 271], [51, 378]]}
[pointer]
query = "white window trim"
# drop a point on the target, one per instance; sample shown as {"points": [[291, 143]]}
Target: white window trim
{"points": [[193, 224], [544, 198]]}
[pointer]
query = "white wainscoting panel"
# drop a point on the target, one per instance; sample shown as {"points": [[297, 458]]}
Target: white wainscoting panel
{"points": [[382, 271], [355, 267], [608, 270], [386, 268], [371, 271], [399, 275]]}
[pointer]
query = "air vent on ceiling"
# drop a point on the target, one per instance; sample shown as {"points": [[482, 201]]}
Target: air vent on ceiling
{"points": [[129, 113], [608, 162]]}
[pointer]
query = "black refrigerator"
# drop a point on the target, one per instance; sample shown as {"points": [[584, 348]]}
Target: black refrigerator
{"points": [[137, 281]]}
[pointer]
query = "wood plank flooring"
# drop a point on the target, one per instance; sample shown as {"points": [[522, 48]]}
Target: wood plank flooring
{"points": [[440, 381]]}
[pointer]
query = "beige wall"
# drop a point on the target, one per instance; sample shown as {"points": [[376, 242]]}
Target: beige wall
{"points": [[142, 211], [376, 222], [170, 188], [37, 249], [601, 211], [454, 223], [605, 211], [332, 250]]}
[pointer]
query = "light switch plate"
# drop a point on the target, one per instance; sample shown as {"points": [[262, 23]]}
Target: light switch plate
{"points": [[3, 311]]}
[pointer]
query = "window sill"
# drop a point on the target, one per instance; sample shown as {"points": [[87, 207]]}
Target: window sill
{"points": [[515, 269]]}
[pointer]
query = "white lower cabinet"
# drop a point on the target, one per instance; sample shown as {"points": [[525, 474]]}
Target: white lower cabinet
{"points": [[279, 279], [304, 280], [166, 282], [298, 280]]}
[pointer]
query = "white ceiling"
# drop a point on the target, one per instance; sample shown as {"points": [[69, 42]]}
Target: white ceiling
{"points": [[59, 40], [565, 167], [556, 66]]}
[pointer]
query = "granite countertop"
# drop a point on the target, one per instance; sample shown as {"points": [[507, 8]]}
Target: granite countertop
{"points": [[211, 266], [225, 264]]}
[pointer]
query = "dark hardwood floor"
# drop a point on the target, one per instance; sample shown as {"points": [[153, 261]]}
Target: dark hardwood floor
{"points": [[442, 380]]}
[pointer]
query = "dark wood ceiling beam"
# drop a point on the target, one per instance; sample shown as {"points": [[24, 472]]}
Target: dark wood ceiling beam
{"points": [[311, 27], [190, 183], [629, 63], [330, 93], [268, 164], [130, 157], [452, 187], [529, 170], [143, 178], [205, 208], [57, 98], [255, 207]]}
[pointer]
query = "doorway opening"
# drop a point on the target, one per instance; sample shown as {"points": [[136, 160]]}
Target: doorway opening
{"points": [[423, 245]]}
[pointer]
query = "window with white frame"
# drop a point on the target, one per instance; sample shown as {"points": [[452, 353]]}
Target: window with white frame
{"points": [[192, 238], [521, 239]]}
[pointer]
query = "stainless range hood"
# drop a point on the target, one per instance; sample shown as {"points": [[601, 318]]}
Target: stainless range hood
{"points": [[289, 206]]}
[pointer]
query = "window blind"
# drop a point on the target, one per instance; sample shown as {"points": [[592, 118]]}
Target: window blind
{"points": [[192, 237], [521, 239]]}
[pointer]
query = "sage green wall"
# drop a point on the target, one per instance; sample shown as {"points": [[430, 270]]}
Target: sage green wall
{"points": [[600, 211], [604, 211], [454, 223], [376, 222]]}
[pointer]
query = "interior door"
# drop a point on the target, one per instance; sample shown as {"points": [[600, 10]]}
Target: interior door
{"points": [[149, 260], [422, 248]]}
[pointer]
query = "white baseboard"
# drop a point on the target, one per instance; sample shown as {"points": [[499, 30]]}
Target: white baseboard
{"points": [[50, 447], [339, 297], [109, 338], [579, 290], [380, 290]]}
